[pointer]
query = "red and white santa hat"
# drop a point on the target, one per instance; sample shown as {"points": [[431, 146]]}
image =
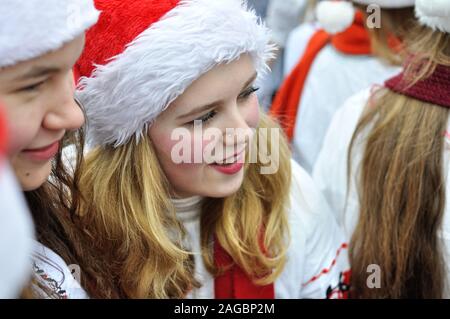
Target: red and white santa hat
{"points": [[31, 28], [434, 14], [16, 228], [338, 15], [143, 54]]}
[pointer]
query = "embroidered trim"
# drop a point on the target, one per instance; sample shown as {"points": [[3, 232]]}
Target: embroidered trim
{"points": [[51, 283], [327, 270], [342, 289]]}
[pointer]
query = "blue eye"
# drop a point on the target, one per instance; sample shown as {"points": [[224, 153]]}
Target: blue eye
{"points": [[248, 92], [205, 118]]}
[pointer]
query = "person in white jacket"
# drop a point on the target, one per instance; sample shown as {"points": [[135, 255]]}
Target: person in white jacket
{"points": [[281, 17], [40, 41], [384, 170], [16, 227], [323, 70], [170, 212]]}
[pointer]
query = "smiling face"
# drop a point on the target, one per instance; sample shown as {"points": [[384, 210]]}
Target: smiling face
{"points": [[40, 107], [222, 99]]}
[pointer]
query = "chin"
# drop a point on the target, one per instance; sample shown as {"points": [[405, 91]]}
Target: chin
{"points": [[225, 189], [36, 178]]}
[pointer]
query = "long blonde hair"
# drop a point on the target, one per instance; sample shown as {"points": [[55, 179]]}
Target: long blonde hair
{"points": [[401, 185], [395, 24], [131, 245]]}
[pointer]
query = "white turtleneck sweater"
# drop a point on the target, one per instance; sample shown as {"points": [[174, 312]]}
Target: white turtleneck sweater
{"points": [[317, 253], [188, 212]]}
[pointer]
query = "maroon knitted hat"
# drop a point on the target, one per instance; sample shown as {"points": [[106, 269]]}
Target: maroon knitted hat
{"points": [[434, 89]]}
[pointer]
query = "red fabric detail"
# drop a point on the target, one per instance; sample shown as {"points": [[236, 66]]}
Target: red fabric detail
{"points": [[234, 283], [354, 41], [342, 291], [327, 270], [435, 89], [286, 102], [119, 24], [3, 133]]}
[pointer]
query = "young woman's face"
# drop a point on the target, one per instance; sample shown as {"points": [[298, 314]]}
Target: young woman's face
{"points": [[38, 95], [223, 101]]}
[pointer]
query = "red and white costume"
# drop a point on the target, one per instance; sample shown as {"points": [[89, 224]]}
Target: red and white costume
{"points": [[326, 63], [141, 57], [317, 263]]}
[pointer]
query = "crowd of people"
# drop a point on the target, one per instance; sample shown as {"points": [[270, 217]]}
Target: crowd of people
{"points": [[224, 149]]}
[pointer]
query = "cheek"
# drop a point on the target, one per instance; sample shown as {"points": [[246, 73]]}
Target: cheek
{"points": [[181, 176], [23, 126], [252, 112]]}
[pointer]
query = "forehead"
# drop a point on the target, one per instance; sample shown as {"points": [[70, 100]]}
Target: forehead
{"points": [[62, 59], [222, 82]]}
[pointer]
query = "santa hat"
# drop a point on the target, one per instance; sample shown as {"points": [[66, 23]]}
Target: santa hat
{"points": [[434, 14], [337, 16], [143, 54], [16, 230], [31, 28]]}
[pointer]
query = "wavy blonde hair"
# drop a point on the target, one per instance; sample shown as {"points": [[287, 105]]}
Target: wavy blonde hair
{"points": [[131, 241]]}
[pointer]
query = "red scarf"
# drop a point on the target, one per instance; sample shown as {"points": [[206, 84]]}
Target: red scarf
{"points": [[234, 283], [353, 41], [433, 89], [3, 132]]}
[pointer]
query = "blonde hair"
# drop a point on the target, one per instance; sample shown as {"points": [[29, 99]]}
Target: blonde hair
{"points": [[132, 240], [395, 24], [402, 185]]}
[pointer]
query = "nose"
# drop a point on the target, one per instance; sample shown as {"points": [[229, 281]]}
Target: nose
{"points": [[235, 128], [64, 112]]}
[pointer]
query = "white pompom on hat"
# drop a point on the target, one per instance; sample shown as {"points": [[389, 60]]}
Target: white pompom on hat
{"points": [[434, 14], [337, 16], [31, 28], [144, 54]]}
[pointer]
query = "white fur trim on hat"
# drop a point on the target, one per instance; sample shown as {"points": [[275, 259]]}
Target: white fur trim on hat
{"points": [[31, 28], [335, 16], [388, 4], [434, 14], [123, 97]]}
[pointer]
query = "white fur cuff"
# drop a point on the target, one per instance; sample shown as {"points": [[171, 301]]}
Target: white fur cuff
{"points": [[31, 28]]}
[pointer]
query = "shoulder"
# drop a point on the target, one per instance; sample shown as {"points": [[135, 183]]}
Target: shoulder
{"points": [[306, 201], [296, 44], [317, 255], [55, 275], [346, 118]]}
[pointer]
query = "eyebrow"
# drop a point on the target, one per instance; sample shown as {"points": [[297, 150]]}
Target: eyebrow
{"points": [[203, 108], [38, 72]]}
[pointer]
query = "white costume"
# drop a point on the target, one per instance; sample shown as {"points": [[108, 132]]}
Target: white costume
{"points": [[333, 78], [317, 255], [16, 236], [58, 277]]}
